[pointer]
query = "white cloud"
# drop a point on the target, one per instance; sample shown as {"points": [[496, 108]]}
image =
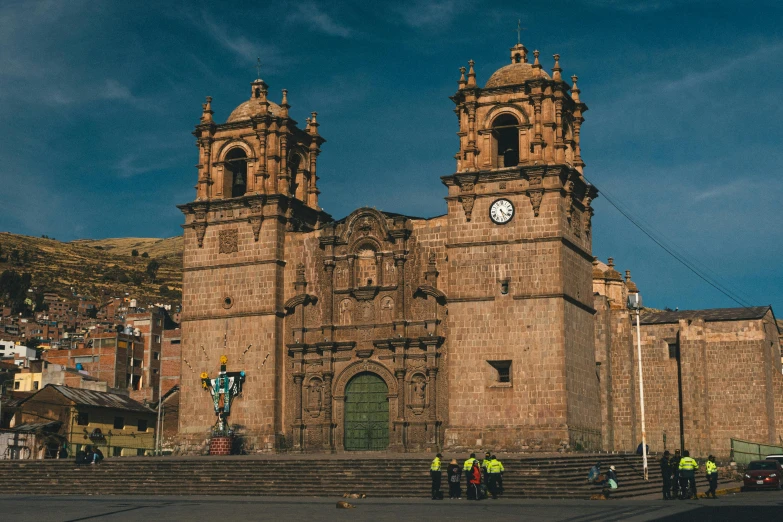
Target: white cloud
{"points": [[243, 48], [422, 14], [320, 20]]}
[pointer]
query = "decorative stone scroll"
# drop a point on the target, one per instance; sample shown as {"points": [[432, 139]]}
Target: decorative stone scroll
{"points": [[201, 230], [535, 200], [467, 205]]}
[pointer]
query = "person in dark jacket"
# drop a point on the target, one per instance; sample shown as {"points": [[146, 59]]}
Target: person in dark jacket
{"points": [[675, 465], [454, 473], [666, 473]]}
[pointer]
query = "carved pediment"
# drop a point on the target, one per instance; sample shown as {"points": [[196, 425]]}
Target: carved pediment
{"points": [[428, 290], [301, 299]]}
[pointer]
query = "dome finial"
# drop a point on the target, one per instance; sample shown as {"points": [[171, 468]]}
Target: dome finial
{"points": [[284, 104], [471, 74], [556, 70], [312, 125], [537, 64], [462, 81], [575, 89], [206, 111]]}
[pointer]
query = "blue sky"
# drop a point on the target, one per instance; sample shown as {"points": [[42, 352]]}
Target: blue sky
{"points": [[98, 100]]}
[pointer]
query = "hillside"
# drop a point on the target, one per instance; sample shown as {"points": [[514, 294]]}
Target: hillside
{"points": [[124, 246], [97, 268]]}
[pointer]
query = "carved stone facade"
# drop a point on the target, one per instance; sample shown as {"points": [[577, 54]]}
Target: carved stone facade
{"points": [[477, 333]]}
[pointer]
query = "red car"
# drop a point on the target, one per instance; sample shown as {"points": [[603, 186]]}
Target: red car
{"points": [[763, 474]]}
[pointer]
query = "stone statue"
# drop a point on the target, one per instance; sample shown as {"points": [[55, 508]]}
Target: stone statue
{"points": [[345, 311], [419, 389]]}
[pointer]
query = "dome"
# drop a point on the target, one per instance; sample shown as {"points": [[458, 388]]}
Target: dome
{"points": [[250, 108], [515, 74]]}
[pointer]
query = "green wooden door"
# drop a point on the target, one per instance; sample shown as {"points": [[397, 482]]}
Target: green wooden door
{"points": [[366, 413]]}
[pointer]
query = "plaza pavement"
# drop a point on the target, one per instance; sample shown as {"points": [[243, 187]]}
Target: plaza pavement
{"points": [[731, 506]]}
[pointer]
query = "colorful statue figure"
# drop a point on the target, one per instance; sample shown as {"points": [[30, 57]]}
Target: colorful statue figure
{"points": [[224, 389]]}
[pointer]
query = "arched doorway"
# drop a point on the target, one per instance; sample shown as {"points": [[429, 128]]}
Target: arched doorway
{"points": [[366, 413]]}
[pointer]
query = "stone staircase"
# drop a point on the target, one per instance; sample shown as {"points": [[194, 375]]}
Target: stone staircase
{"points": [[562, 477]]}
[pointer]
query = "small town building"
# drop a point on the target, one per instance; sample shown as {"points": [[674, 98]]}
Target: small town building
{"points": [[115, 423]]}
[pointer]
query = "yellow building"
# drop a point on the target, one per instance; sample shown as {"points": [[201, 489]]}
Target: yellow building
{"points": [[27, 381], [115, 423]]}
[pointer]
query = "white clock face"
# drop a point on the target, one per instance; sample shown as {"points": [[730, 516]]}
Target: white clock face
{"points": [[501, 211]]}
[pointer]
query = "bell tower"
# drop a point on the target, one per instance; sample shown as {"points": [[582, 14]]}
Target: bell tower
{"points": [[519, 252], [257, 183]]}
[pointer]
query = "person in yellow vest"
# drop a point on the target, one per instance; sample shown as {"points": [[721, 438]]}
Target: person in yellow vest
{"points": [[435, 474], [494, 470], [485, 467], [688, 468], [467, 466], [712, 476]]}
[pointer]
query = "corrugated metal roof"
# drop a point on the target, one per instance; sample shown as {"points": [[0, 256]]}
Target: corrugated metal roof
{"points": [[38, 427], [100, 399], [714, 314]]}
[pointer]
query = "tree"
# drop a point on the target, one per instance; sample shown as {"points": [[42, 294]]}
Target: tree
{"points": [[152, 269], [135, 253], [145, 255]]}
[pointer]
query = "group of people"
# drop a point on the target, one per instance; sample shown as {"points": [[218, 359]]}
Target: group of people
{"points": [[89, 455], [481, 477], [679, 475], [608, 480]]}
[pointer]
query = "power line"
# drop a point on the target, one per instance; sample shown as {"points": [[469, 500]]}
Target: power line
{"points": [[671, 250]]}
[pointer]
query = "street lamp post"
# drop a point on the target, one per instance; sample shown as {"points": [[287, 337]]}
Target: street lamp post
{"points": [[635, 302]]}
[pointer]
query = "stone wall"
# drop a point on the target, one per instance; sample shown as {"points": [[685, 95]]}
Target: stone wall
{"points": [[714, 408]]}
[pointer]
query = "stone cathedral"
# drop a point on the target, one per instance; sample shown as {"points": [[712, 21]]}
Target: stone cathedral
{"points": [[380, 331]]}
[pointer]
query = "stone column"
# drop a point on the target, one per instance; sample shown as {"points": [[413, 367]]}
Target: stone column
{"points": [[351, 272], [298, 379], [329, 297], [379, 269], [328, 439], [399, 309]]}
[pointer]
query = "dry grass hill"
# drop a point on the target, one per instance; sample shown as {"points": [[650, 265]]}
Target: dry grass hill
{"points": [[97, 268]]}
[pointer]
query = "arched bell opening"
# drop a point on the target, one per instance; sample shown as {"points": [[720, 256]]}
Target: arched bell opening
{"points": [[505, 132], [236, 173]]}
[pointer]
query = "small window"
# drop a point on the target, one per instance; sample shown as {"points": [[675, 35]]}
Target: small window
{"points": [[142, 425], [673, 351], [17, 384], [175, 341], [35, 385], [119, 423], [82, 419], [503, 369], [156, 356]]}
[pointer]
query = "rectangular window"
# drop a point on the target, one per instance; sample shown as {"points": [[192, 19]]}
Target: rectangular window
{"points": [[35, 385], [673, 350], [17, 384], [156, 356], [142, 425], [82, 419], [119, 423], [175, 341], [157, 339], [503, 369]]}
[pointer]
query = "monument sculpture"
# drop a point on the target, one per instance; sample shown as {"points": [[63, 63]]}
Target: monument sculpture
{"points": [[224, 389]]}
